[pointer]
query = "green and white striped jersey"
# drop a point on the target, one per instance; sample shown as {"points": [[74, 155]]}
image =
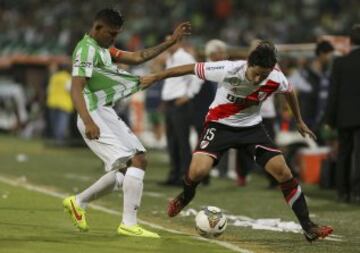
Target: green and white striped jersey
{"points": [[106, 83]]}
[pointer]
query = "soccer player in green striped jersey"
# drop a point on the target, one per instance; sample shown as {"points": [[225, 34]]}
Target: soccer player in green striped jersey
{"points": [[97, 83]]}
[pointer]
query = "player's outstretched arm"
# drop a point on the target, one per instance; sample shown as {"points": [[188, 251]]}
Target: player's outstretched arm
{"points": [[148, 80], [138, 57], [292, 101]]}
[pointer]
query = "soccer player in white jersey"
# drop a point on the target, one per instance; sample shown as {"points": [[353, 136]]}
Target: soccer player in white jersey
{"points": [[97, 83], [234, 121]]}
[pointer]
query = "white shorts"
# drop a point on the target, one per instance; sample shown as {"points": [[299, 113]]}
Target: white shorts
{"points": [[117, 143]]}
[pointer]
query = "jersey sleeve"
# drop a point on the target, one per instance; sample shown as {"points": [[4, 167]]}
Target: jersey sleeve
{"points": [[83, 61], [212, 71], [284, 85]]}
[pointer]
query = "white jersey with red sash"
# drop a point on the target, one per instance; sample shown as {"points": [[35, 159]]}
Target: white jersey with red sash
{"points": [[237, 101]]}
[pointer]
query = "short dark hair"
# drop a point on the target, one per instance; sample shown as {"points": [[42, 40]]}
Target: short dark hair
{"points": [[110, 16], [355, 34], [264, 55], [323, 47]]}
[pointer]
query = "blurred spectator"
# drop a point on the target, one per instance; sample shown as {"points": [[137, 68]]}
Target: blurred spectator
{"points": [[176, 94], [321, 67], [59, 103], [313, 85], [154, 111], [13, 113], [154, 106], [342, 114]]}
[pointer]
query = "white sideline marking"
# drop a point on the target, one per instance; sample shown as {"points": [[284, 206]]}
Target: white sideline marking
{"points": [[52, 193]]}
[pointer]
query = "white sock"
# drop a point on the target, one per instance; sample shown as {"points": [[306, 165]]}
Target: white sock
{"points": [[109, 182], [132, 188]]}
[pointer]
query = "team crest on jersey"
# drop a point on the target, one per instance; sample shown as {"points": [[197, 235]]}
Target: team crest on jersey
{"points": [[235, 81], [204, 144]]}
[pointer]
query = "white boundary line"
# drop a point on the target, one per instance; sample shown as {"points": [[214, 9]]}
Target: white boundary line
{"points": [[49, 192]]}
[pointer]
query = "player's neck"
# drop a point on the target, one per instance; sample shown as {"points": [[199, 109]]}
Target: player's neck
{"points": [[246, 75]]}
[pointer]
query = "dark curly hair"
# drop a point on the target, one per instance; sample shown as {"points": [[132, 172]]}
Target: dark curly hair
{"points": [[110, 17], [264, 55], [323, 47]]}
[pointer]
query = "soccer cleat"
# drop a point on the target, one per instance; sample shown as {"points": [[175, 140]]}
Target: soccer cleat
{"points": [[77, 214], [135, 230], [176, 205], [315, 232]]}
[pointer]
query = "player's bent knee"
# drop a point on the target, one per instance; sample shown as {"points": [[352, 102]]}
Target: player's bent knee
{"points": [[284, 175], [200, 166], [139, 161], [277, 167]]}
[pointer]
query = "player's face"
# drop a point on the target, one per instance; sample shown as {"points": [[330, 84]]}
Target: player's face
{"points": [[325, 59], [106, 35], [257, 74]]}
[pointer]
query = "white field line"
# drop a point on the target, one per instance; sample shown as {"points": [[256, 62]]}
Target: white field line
{"points": [[52, 193]]}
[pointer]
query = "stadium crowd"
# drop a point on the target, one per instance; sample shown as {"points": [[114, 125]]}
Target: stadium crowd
{"points": [[44, 27]]}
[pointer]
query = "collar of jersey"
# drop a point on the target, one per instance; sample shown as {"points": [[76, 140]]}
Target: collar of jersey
{"points": [[90, 39]]}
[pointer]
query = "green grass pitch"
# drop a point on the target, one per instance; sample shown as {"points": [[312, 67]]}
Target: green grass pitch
{"points": [[32, 219]]}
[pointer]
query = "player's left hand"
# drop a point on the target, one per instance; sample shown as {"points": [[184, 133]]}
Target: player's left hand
{"points": [[184, 29], [148, 80], [304, 130]]}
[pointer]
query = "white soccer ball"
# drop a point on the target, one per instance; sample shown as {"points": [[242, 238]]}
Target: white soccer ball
{"points": [[210, 222]]}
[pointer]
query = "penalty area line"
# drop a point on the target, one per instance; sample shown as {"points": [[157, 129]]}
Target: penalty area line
{"points": [[45, 191]]}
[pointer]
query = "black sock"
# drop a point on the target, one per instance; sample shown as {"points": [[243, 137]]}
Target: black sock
{"points": [[295, 198], [189, 189]]}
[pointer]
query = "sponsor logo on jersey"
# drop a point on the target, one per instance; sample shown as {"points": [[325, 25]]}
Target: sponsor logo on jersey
{"points": [[240, 100], [82, 64], [204, 144], [215, 68]]}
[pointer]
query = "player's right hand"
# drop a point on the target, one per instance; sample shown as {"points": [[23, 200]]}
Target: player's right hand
{"points": [[92, 131], [184, 29]]}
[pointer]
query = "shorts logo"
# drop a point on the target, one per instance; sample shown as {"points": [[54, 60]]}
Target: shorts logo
{"points": [[204, 144]]}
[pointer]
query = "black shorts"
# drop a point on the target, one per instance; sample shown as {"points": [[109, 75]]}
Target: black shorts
{"points": [[217, 138]]}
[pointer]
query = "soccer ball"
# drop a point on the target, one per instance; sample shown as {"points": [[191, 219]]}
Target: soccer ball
{"points": [[210, 222]]}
